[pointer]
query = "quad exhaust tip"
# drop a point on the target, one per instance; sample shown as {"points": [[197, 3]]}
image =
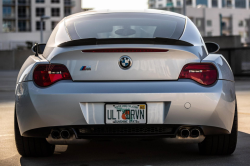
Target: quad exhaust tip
{"points": [[195, 133], [55, 134], [65, 134], [184, 133]]}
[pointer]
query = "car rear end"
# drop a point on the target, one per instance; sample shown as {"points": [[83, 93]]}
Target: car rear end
{"points": [[83, 88]]}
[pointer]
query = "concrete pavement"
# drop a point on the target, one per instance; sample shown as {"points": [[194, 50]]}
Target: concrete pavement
{"points": [[121, 152]]}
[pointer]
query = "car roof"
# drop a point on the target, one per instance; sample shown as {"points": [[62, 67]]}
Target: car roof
{"points": [[153, 11]]}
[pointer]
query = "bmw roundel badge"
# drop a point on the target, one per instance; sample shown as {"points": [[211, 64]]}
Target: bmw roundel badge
{"points": [[125, 62]]}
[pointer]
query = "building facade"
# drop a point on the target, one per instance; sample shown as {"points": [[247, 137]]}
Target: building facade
{"points": [[213, 17], [20, 19]]}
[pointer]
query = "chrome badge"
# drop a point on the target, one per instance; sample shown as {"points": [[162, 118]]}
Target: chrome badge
{"points": [[125, 62], [85, 68]]}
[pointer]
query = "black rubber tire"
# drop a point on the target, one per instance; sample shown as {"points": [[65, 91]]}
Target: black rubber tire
{"points": [[31, 147], [221, 144]]}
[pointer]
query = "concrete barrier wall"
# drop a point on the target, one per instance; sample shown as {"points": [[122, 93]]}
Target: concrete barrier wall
{"points": [[13, 59], [225, 41], [238, 59]]}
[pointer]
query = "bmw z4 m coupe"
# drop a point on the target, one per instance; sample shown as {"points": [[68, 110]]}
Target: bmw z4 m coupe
{"points": [[125, 74]]}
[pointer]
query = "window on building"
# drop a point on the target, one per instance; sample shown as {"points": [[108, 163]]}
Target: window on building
{"points": [[178, 3], [200, 23], [8, 26], [226, 3], [53, 24], [169, 3], [40, 12], [189, 2], [55, 12], [240, 3], [39, 1], [224, 25], [214, 3], [21, 25], [160, 5], [38, 25], [55, 1], [209, 23], [201, 2], [209, 33], [241, 23], [21, 12], [6, 11], [67, 11]]}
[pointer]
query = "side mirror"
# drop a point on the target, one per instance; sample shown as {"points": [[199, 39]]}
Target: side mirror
{"points": [[40, 49], [212, 47]]}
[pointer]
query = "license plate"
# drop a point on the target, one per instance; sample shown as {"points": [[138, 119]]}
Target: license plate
{"points": [[126, 113]]}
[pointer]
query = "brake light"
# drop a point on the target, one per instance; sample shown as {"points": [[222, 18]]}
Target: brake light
{"points": [[45, 75], [203, 73], [126, 50]]}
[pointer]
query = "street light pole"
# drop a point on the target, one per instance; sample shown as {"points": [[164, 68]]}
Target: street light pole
{"points": [[42, 18], [41, 30], [184, 7]]}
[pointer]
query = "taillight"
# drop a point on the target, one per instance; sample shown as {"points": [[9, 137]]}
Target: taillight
{"points": [[45, 75], [203, 73]]}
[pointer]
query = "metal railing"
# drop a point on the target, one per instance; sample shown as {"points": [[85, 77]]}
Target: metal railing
{"points": [[24, 2], [69, 3], [228, 28], [24, 29], [23, 16], [8, 16], [151, 1], [9, 2]]}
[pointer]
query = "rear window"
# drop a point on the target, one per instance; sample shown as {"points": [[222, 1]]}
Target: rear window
{"points": [[125, 25]]}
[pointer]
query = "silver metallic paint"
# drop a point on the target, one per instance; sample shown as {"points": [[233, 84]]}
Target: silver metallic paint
{"points": [[224, 70], [81, 103], [24, 73], [191, 34], [43, 107]]}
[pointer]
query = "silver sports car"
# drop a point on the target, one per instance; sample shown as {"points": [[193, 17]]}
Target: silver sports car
{"points": [[125, 74]]}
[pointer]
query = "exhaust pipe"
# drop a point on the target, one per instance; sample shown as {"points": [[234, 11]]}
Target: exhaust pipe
{"points": [[184, 133], [55, 134], [65, 134], [195, 133]]}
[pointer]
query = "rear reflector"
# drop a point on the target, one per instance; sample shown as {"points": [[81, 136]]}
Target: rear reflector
{"points": [[126, 50], [203, 73], [45, 75]]}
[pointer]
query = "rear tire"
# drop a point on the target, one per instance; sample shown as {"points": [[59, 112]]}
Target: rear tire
{"points": [[31, 147], [221, 144]]}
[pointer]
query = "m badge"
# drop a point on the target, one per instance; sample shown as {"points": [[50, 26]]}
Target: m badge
{"points": [[85, 68]]}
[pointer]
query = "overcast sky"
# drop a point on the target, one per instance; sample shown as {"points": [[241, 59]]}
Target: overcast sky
{"points": [[115, 4]]}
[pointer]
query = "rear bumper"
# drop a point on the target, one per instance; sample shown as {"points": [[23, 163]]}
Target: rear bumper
{"points": [[68, 103], [124, 131]]}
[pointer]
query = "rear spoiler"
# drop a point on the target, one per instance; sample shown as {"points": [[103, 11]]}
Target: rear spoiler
{"points": [[94, 41]]}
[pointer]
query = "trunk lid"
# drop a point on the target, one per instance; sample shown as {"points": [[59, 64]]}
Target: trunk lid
{"points": [[104, 66]]}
